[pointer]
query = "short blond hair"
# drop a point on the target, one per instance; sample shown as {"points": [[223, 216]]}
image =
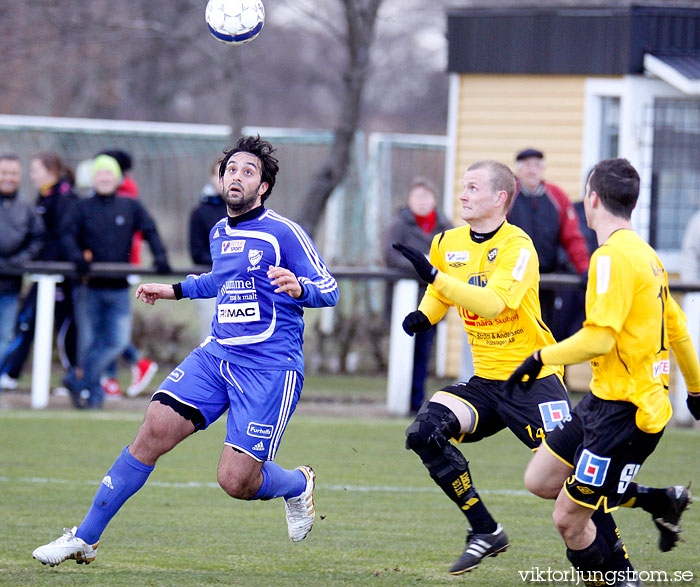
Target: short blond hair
{"points": [[502, 178]]}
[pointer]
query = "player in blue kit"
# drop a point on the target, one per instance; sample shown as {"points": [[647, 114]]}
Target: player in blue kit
{"points": [[265, 269]]}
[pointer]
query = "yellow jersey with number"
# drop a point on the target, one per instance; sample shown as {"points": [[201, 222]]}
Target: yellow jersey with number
{"points": [[507, 264], [628, 292]]}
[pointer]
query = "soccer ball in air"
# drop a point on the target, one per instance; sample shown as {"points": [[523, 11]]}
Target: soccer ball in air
{"points": [[235, 21]]}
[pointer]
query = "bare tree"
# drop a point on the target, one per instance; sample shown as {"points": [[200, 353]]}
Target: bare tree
{"points": [[360, 18]]}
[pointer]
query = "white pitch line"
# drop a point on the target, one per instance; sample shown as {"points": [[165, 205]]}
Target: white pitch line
{"points": [[212, 485]]}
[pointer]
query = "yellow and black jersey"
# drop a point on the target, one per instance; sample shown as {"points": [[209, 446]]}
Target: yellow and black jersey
{"points": [[506, 265], [628, 293]]}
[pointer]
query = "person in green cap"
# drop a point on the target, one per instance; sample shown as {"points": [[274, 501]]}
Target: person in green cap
{"points": [[101, 230]]}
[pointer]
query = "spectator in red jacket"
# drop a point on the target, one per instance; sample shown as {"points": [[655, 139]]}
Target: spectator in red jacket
{"points": [[544, 211]]}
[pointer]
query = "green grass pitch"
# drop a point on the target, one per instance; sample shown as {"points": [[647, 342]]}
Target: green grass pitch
{"points": [[380, 519]]}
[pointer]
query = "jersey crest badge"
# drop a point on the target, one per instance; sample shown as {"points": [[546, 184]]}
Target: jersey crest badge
{"points": [[254, 256], [491, 256]]}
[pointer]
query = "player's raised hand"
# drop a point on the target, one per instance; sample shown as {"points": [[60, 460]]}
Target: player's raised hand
{"points": [[422, 266], [150, 292], [285, 281], [530, 367], [416, 322]]}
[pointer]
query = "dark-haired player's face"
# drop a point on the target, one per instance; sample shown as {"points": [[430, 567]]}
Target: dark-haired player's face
{"points": [[242, 183]]}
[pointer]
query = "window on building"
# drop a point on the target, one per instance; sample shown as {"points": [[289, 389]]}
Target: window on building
{"points": [[675, 185], [609, 127]]}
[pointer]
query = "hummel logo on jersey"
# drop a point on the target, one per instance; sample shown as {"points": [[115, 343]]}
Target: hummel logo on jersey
{"points": [[216, 234], [107, 481], [259, 446]]}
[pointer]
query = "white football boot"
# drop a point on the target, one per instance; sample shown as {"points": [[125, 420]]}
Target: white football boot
{"points": [[66, 547], [300, 509]]}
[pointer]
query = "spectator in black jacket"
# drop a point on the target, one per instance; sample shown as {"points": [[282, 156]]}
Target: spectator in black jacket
{"points": [[21, 230], [415, 225], [209, 211], [55, 200], [101, 230]]}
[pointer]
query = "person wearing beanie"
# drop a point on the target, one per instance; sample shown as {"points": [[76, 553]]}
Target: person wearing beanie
{"points": [[142, 368], [101, 231]]}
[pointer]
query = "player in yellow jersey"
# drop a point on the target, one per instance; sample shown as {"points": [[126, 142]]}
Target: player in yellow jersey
{"points": [[631, 322], [490, 271]]}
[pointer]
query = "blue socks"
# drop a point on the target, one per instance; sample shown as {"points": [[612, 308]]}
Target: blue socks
{"points": [[279, 482], [125, 478]]}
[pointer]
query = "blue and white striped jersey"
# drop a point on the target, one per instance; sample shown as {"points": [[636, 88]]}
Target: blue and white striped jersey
{"points": [[254, 326]]}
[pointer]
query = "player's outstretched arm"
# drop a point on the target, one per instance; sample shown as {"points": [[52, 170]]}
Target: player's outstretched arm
{"points": [[589, 342], [150, 292], [687, 359]]}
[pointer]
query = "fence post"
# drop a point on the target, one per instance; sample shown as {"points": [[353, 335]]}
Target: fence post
{"points": [[43, 338], [401, 347]]}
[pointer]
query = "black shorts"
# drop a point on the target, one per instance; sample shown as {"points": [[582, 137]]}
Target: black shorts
{"points": [[529, 414], [605, 448]]}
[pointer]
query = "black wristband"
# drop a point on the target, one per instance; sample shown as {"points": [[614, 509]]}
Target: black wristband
{"points": [[177, 288]]}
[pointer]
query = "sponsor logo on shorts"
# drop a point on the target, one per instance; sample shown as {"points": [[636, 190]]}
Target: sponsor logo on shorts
{"points": [[662, 367], [176, 375], [248, 312], [554, 412], [228, 247], [591, 469], [260, 430]]}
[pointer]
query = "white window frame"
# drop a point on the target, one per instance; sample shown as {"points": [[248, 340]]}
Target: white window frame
{"points": [[637, 94]]}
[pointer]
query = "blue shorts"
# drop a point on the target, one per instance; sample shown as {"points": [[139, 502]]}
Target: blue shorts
{"points": [[260, 402]]}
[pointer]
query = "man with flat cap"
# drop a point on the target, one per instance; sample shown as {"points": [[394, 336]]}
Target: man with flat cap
{"points": [[545, 213]]}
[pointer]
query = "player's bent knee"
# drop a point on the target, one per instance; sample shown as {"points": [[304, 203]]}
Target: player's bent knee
{"points": [[540, 486], [433, 427], [235, 486]]}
